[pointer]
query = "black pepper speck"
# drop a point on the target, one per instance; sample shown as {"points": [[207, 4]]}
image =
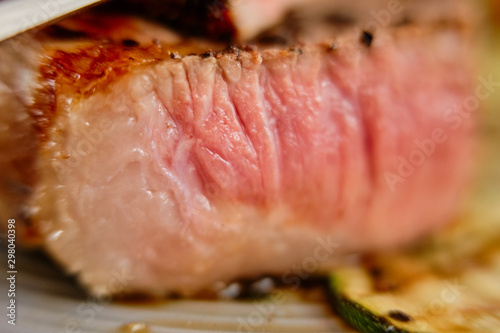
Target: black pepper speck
{"points": [[400, 316], [366, 38], [207, 54]]}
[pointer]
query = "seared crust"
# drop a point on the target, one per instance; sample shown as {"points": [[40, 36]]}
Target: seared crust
{"points": [[81, 74], [100, 52]]}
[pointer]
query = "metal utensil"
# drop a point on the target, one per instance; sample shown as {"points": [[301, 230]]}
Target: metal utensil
{"points": [[17, 16]]}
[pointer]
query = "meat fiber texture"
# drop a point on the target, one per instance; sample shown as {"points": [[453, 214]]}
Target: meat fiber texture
{"points": [[176, 165]]}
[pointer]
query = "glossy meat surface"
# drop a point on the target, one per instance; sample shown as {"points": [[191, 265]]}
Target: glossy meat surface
{"points": [[189, 170]]}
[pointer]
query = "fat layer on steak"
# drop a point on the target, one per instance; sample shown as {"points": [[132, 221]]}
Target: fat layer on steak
{"points": [[173, 165]]}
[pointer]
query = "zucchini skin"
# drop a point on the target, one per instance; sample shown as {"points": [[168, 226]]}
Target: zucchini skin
{"points": [[356, 315]]}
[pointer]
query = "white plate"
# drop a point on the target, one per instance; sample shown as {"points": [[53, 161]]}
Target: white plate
{"points": [[48, 302], [21, 15]]}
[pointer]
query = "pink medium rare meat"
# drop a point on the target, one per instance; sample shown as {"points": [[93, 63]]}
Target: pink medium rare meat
{"points": [[181, 165]]}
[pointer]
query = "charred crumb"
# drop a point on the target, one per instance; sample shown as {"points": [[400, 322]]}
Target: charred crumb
{"points": [[130, 43], [234, 49], [207, 54], [400, 316], [231, 49], [366, 38], [175, 55]]}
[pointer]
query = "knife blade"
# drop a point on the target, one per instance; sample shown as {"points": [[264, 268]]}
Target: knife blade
{"points": [[17, 16]]}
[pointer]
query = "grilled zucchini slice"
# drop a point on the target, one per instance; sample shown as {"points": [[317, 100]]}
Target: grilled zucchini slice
{"points": [[412, 292]]}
